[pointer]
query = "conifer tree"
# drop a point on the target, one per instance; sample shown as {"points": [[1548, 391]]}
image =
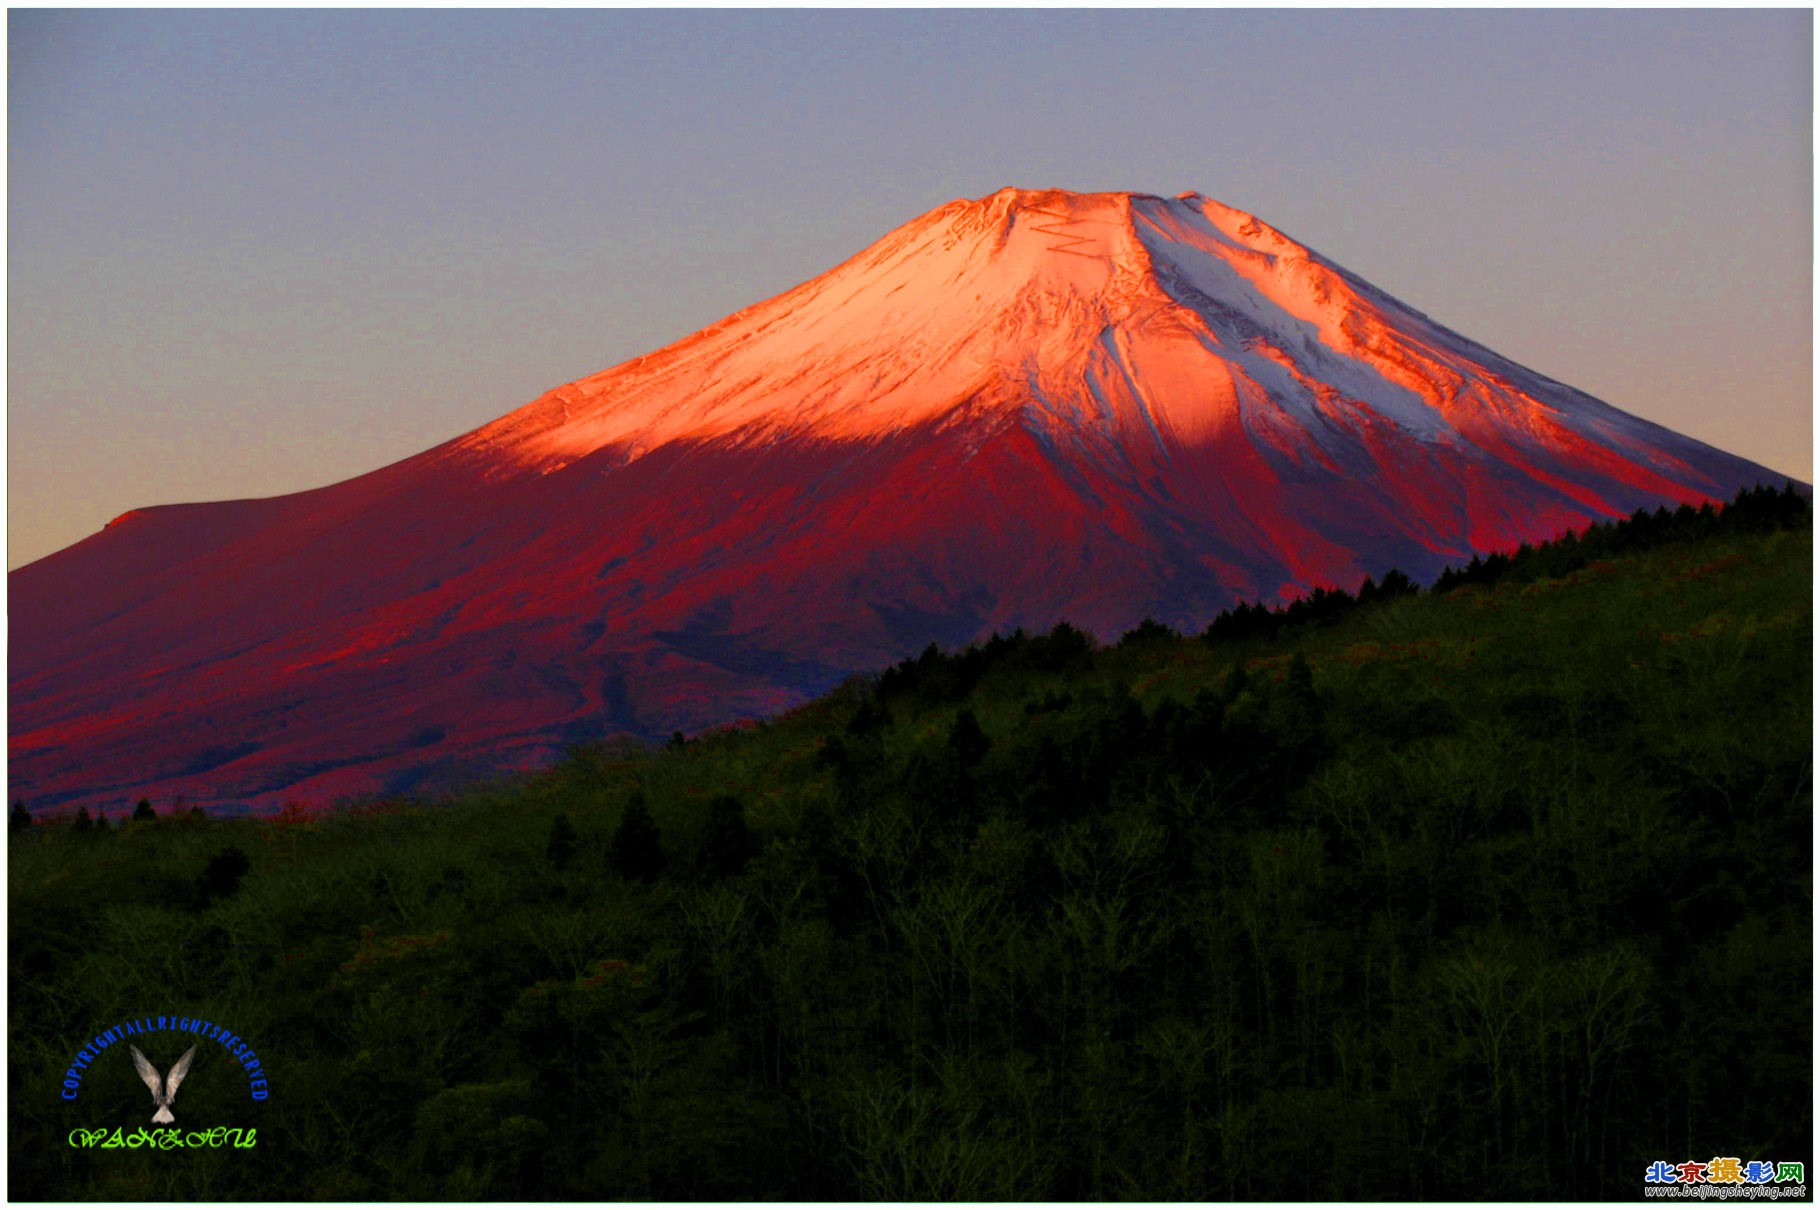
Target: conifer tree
{"points": [[561, 845], [965, 740], [636, 849], [1300, 684], [1396, 584], [726, 845], [221, 877]]}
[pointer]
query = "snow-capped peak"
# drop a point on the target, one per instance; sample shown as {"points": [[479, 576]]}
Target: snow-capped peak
{"points": [[1092, 318]]}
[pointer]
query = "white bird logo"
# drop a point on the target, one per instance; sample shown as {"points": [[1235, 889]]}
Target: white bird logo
{"points": [[164, 1090]]}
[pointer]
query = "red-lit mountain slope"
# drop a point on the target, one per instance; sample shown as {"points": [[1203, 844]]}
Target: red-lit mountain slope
{"points": [[1035, 406]]}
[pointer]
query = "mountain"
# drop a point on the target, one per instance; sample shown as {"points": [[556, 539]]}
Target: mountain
{"points": [[1033, 406]]}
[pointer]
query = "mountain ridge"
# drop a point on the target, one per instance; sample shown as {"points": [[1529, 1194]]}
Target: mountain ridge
{"points": [[1010, 410]]}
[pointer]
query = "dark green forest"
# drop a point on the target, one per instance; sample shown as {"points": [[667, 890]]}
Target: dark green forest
{"points": [[1496, 889]]}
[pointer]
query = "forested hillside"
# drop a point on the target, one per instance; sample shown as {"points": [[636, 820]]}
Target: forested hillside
{"points": [[1499, 889]]}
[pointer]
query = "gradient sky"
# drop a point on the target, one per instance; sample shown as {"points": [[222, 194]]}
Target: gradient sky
{"points": [[254, 252]]}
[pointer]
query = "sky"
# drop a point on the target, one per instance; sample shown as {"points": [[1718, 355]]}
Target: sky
{"points": [[252, 252]]}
